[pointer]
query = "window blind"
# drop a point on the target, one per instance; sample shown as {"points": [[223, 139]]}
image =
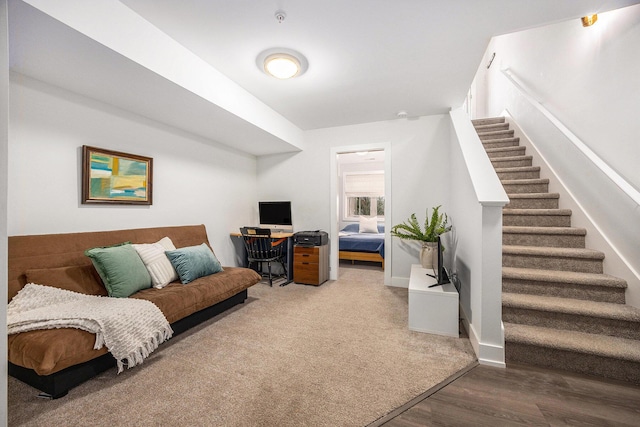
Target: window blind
{"points": [[364, 185]]}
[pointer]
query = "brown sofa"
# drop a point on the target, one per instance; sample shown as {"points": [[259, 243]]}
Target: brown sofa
{"points": [[56, 360]]}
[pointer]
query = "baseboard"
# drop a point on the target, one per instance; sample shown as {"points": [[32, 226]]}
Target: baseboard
{"points": [[400, 282], [487, 354]]}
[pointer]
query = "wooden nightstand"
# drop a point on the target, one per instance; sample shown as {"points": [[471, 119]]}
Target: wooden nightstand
{"points": [[311, 264]]}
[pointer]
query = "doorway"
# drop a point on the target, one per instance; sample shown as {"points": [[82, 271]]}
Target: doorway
{"points": [[357, 175]]}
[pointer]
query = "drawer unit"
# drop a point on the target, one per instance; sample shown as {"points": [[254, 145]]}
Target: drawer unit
{"points": [[309, 254], [311, 264]]}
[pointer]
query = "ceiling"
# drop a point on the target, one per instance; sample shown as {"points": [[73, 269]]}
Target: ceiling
{"points": [[361, 157], [368, 59]]}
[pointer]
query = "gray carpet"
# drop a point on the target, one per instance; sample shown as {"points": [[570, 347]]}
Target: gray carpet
{"points": [[335, 355]]}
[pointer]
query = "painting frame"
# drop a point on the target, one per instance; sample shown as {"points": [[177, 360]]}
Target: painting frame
{"points": [[133, 177]]}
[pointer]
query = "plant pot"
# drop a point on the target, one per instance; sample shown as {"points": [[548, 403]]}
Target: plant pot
{"points": [[428, 254]]}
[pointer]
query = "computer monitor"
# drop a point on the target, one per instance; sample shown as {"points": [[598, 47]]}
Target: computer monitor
{"points": [[275, 215]]}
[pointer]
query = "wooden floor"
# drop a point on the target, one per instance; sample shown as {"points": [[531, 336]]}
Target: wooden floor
{"points": [[524, 395]]}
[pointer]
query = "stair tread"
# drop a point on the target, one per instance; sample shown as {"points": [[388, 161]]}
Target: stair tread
{"points": [[495, 140], [572, 231], [501, 149], [525, 181], [582, 342], [560, 212], [512, 158], [539, 275], [496, 132], [552, 252], [605, 310], [519, 169], [486, 126], [488, 120], [533, 195]]}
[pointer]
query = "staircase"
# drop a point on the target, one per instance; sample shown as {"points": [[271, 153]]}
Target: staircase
{"points": [[559, 309]]}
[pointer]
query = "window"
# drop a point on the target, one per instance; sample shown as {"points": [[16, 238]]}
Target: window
{"points": [[368, 206], [364, 194]]}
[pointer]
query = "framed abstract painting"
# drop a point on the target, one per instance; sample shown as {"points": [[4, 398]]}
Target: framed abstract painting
{"points": [[115, 178]]}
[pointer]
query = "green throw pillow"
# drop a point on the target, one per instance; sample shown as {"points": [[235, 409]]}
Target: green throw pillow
{"points": [[194, 262], [121, 269]]}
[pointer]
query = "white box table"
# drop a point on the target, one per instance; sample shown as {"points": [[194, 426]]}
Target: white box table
{"points": [[432, 310]]}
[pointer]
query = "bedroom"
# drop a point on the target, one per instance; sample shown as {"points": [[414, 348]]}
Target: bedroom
{"points": [[361, 207]]}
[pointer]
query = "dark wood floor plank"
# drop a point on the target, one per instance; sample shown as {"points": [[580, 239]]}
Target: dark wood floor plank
{"points": [[562, 415], [526, 395], [417, 416], [613, 394], [484, 408]]}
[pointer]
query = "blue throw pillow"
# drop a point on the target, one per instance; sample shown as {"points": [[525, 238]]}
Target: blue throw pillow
{"points": [[194, 262]]}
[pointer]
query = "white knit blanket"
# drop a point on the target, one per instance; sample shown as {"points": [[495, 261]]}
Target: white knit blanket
{"points": [[130, 328]]}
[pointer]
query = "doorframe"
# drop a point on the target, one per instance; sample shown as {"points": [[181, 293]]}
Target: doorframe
{"points": [[334, 221]]}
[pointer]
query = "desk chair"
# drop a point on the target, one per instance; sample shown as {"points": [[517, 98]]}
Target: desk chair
{"points": [[261, 248]]}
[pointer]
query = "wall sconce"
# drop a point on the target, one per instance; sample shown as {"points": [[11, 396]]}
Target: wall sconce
{"points": [[589, 20]]}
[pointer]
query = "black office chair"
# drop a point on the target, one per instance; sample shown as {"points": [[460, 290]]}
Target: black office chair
{"points": [[262, 248]]}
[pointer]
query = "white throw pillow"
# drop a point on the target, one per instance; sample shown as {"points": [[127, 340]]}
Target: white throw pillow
{"points": [[154, 258], [368, 225]]}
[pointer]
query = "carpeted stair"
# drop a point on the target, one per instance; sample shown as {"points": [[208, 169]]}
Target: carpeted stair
{"points": [[559, 309]]}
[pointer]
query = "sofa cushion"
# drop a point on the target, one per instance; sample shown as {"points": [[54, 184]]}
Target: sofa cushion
{"points": [[78, 278], [121, 269], [177, 301], [51, 350], [158, 265], [194, 262]]}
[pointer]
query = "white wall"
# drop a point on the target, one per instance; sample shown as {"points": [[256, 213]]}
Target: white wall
{"points": [[4, 138], [419, 157], [195, 181], [588, 79]]}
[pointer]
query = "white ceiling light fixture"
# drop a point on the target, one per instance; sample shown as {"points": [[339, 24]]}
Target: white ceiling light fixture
{"points": [[282, 63]]}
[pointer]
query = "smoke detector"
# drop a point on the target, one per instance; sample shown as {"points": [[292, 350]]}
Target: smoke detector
{"points": [[280, 15]]}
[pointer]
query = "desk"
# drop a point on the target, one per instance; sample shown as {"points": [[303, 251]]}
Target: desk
{"points": [[432, 310], [241, 252]]}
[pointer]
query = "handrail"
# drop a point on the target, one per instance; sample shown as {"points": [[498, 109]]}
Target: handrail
{"points": [[624, 185], [486, 184]]}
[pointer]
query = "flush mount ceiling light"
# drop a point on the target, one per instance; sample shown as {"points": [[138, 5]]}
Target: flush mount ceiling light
{"points": [[282, 66], [589, 20], [282, 63]]}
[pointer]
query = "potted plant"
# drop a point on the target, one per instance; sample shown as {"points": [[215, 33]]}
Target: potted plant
{"points": [[433, 227]]}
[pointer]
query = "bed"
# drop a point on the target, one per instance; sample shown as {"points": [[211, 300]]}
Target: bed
{"points": [[356, 246]]}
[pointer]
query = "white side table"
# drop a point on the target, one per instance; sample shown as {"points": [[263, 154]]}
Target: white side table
{"points": [[432, 310]]}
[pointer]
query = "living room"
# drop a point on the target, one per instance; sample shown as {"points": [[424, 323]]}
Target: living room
{"points": [[198, 180]]}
